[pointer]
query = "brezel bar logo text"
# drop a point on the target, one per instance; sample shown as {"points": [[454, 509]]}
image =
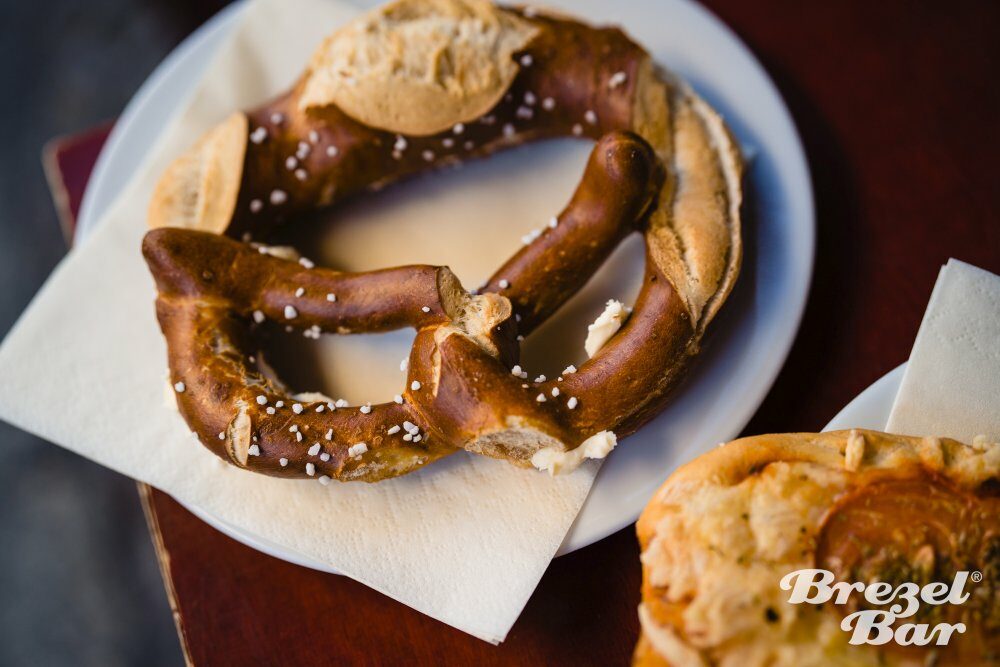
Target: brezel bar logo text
{"points": [[874, 626]]}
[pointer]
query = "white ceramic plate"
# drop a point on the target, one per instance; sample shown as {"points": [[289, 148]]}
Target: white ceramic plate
{"points": [[870, 409], [747, 344]]}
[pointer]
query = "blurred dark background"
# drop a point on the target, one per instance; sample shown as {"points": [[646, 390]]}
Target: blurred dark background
{"points": [[79, 583]]}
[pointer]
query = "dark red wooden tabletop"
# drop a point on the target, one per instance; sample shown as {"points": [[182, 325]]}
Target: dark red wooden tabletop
{"points": [[897, 104]]}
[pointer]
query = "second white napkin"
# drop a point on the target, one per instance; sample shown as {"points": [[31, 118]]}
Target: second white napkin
{"points": [[951, 386]]}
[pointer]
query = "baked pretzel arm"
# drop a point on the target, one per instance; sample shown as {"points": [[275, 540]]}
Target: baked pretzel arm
{"points": [[628, 379], [211, 290], [480, 403]]}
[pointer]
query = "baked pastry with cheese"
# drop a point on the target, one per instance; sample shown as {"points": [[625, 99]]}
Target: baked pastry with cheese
{"points": [[723, 531]]}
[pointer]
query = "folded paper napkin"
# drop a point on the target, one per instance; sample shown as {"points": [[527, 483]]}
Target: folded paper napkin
{"points": [[465, 540], [951, 386]]}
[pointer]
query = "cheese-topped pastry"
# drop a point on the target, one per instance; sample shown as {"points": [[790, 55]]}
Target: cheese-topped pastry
{"points": [[844, 548]]}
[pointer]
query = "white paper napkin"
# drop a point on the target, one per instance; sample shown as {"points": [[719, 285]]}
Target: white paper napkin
{"points": [[951, 386], [465, 540]]}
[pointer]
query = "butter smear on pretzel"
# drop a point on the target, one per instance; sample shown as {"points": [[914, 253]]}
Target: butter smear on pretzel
{"points": [[557, 462], [605, 326]]}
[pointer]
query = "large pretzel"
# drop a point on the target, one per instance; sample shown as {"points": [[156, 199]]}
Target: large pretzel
{"points": [[416, 85]]}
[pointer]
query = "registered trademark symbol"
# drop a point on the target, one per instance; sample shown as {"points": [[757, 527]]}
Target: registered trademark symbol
{"points": [[976, 577]]}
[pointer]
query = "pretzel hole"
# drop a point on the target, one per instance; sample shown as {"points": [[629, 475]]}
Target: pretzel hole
{"points": [[470, 219], [558, 342], [360, 368]]}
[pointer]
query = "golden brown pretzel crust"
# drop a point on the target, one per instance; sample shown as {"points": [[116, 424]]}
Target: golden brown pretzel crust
{"points": [[718, 536], [301, 151]]}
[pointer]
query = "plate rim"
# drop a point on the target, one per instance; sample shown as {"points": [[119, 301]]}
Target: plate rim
{"points": [[893, 379], [100, 193]]}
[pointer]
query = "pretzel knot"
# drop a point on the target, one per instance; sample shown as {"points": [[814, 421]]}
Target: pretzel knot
{"points": [[463, 389]]}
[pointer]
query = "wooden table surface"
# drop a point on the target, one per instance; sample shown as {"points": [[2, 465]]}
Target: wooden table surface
{"points": [[897, 104]]}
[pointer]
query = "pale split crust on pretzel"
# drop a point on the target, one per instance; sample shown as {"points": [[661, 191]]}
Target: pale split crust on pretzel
{"points": [[199, 189], [418, 67], [695, 232], [720, 533], [591, 81]]}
